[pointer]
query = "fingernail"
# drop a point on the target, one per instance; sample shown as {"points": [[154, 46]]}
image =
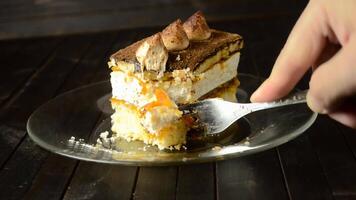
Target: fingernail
{"points": [[315, 105]]}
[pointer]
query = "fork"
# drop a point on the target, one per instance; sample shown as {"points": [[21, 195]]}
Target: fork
{"points": [[215, 115]]}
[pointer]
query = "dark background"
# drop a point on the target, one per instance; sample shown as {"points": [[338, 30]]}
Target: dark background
{"points": [[49, 47], [29, 18]]}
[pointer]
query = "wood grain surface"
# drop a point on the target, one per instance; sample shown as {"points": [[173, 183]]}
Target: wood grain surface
{"points": [[320, 164]]}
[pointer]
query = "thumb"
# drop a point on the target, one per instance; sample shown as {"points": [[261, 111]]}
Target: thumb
{"points": [[333, 81]]}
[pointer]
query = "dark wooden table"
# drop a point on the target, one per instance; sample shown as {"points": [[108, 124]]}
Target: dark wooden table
{"points": [[320, 164]]}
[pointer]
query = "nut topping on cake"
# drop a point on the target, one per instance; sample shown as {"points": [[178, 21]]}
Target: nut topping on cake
{"points": [[196, 27], [174, 36], [153, 55]]}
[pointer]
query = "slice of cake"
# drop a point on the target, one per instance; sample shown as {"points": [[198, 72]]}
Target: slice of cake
{"points": [[182, 64]]}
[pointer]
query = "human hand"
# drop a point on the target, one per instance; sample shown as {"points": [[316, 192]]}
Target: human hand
{"points": [[324, 38]]}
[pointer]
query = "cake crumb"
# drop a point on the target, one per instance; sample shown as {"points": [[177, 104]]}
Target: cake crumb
{"points": [[178, 58], [216, 148], [104, 135], [72, 139], [104, 140], [98, 142], [178, 146], [247, 141]]}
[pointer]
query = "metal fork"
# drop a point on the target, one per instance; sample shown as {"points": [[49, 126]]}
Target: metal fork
{"points": [[215, 115]]}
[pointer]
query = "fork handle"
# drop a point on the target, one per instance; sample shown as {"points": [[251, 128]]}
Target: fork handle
{"points": [[294, 98]]}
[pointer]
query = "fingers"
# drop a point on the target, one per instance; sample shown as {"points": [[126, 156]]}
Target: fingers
{"points": [[333, 81], [328, 52], [301, 50]]}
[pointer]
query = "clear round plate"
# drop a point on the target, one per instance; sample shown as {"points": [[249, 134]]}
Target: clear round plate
{"points": [[84, 113]]}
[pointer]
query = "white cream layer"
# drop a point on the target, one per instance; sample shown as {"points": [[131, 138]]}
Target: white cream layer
{"points": [[182, 89], [215, 76], [129, 89]]}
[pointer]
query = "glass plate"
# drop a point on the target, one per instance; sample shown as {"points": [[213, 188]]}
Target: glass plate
{"points": [[84, 113]]}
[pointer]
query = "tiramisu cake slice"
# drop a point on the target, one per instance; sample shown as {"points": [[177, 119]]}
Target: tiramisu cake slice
{"points": [[182, 64]]}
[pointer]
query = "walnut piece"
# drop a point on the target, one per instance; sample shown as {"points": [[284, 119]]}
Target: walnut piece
{"points": [[153, 55]]}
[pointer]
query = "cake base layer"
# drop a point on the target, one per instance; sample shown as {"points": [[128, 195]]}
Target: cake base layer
{"points": [[127, 121], [127, 124]]}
